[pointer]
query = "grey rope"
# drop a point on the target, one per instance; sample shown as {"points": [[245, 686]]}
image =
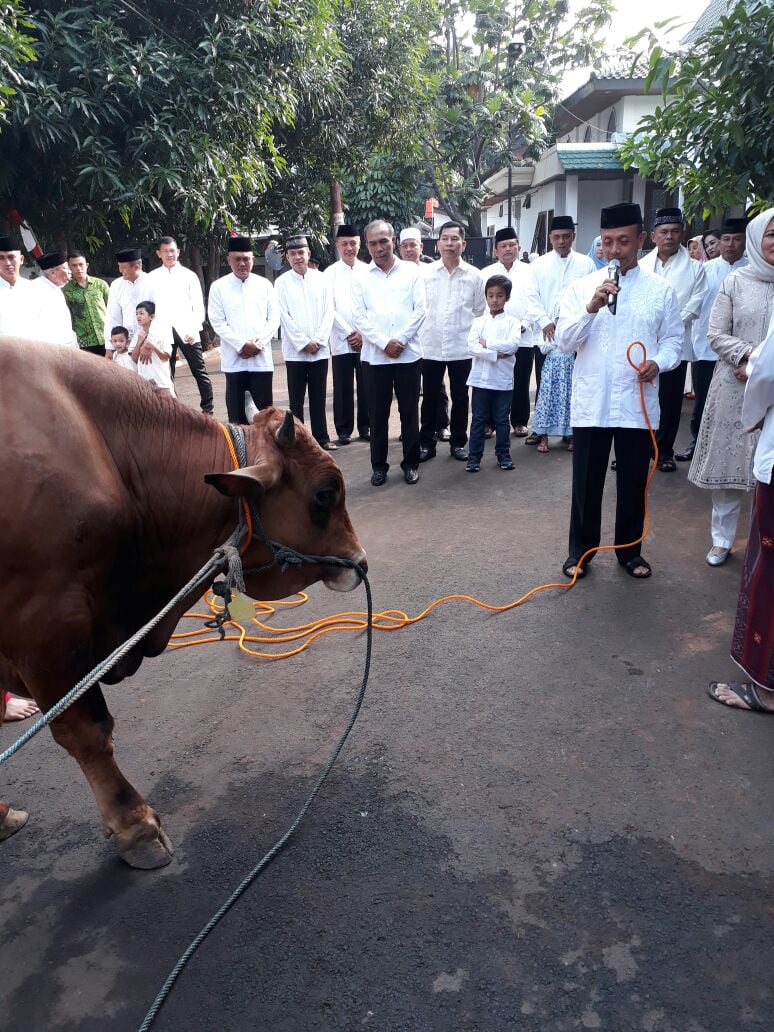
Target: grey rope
{"points": [[264, 862]]}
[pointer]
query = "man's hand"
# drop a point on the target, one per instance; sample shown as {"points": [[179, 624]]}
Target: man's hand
{"points": [[249, 349], [189, 339], [502, 354], [355, 340], [601, 295], [482, 342], [394, 349], [648, 372], [311, 348], [549, 331]]}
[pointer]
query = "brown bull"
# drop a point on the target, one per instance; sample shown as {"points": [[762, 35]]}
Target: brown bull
{"points": [[105, 515]]}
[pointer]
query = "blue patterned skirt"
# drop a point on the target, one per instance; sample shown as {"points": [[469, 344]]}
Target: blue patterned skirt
{"points": [[552, 408]]}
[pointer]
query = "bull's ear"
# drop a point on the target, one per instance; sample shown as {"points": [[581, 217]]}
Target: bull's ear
{"points": [[247, 482], [286, 434]]}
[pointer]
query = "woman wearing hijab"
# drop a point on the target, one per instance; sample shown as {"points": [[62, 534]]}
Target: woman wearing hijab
{"points": [[696, 249], [752, 645], [595, 253], [739, 321]]}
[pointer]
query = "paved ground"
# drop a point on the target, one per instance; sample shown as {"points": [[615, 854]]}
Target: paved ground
{"points": [[541, 822]]}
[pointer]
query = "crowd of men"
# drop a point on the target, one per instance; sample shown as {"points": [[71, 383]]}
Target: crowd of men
{"points": [[398, 326]]}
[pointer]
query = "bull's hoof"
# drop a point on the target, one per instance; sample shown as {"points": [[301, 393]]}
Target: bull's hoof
{"points": [[13, 821], [148, 853]]}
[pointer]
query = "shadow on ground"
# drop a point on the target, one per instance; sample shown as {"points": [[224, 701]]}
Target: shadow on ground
{"points": [[363, 922]]}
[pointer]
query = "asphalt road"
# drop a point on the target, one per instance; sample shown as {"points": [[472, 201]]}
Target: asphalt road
{"points": [[541, 821]]}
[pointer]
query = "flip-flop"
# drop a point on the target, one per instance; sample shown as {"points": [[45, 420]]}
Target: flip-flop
{"points": [[666, 465], [584, 569], [743, 690], [543, 448], [632, 565]]}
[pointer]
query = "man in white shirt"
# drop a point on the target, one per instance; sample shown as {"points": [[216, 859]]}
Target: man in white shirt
{"points": [[506, 249], [124, 295], [454, 294], [410, 250], [306, 316], [243, 311], [551, 273], [17, 317], [389, 308], [606, 403], [54, 324], [177, 293], [346, 341], [671, 260], [732, 245]]}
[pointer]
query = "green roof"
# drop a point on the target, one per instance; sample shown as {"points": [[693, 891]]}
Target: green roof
{"points": [[584, 156]]}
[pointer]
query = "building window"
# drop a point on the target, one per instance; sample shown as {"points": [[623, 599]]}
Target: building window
{"points": [[490, 231], [501, 210], [611, 124], [587, 135]]}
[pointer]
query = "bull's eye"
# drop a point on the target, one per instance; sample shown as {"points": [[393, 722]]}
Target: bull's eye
{"points": [[322, 504]]}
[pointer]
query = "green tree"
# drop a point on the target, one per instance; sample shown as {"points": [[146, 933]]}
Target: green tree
{"points": [[712, 134], [140, 118], [16, 49], [385, 189], [497, 68]]}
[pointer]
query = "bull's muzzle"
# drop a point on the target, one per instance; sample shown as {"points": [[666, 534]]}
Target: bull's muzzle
{"points": [[344, 578]]}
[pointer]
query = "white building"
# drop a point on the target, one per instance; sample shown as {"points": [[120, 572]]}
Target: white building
{"points": [[581, 172]]}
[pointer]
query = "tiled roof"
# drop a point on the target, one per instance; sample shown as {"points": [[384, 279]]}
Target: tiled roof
{"points": [[578, 156], [708, 20], [621, 65]]}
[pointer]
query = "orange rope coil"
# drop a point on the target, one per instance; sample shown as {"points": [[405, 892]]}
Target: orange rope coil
{"points": [[389, 619]]}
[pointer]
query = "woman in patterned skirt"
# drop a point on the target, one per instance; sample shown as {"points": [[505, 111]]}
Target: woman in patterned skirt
{"points": [[552, 408]]}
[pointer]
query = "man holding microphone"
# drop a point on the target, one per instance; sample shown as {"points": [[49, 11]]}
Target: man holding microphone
{"points": [[600, 316]]}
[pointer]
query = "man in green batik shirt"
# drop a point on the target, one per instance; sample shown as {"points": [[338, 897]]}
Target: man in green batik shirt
{"points": [[86, 297]]}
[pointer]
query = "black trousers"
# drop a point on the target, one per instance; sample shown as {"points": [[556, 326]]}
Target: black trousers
{"points": [[591, 452], [522, 374], [671, 387], [348, 373], [701, 376], [442, 416], [195, 358], [259, 386], [404, 378], [432, 379], [311, 376]]}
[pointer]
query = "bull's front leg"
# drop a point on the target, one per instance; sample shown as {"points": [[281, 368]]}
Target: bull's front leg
{"points": [[85, 731]]}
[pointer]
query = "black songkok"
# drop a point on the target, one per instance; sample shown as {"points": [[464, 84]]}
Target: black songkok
{"points": [[668, 217], [734, 226], [562, 222], [347, 230], [297, 240], [241, 244], [8, 244], [618, 215], [51, 260], [509, 233], [129, 254]]}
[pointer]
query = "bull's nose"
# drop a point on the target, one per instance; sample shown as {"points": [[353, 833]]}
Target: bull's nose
{"points": [[361, 561]]}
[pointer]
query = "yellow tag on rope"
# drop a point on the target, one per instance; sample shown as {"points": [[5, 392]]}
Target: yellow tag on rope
{"points": [[241, 608]]}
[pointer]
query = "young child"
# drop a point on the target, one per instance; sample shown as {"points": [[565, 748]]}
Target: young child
{"points": [[119, 338], [153, 349], [493, 342]]}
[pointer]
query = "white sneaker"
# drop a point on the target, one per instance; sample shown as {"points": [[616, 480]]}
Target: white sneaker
{"points": [[717, 555]]}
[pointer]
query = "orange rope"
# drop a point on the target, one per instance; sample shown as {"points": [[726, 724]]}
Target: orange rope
{"points": [[389, 619]]}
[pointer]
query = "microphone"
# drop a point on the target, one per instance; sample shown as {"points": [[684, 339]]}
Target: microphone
{"points": [[613, 273]]}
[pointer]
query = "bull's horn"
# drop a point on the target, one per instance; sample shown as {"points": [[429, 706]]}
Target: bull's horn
{"points": [[286, 435]]}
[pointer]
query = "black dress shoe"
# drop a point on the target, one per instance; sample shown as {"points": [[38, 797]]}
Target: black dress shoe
{"points": [[411, 475], [378, 477], [425, 454], [344, 440], [364, 437], [687, 455], [460, 454], [329, 446]]}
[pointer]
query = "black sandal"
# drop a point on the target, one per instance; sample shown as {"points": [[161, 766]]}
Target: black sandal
{"points": [[632, 565], [568, 563], [666, 466]]}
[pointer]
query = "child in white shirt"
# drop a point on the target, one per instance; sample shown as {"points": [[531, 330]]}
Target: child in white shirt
{"points": [[153, 349], [493, 342], [119, 339]]}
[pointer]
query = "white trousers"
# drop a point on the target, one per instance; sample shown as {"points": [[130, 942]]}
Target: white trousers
{"points": [[726, 506]]}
